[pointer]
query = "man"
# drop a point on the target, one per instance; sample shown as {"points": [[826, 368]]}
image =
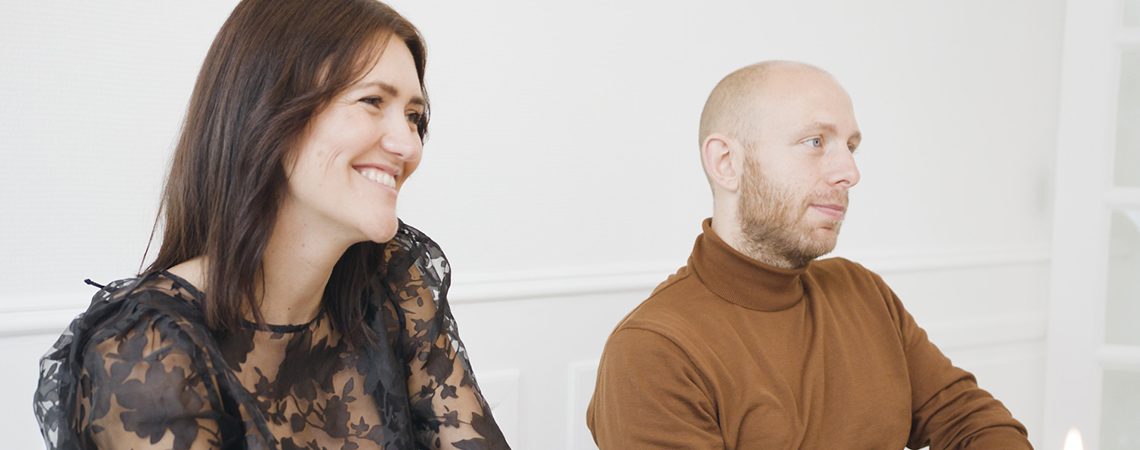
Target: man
{"points": [[756, 345]]}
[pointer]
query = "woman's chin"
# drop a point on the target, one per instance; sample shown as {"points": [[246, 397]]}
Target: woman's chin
{"points": [[383, 232]]}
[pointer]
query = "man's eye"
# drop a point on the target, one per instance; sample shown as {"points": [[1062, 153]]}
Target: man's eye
{"points": [[815, 142]]}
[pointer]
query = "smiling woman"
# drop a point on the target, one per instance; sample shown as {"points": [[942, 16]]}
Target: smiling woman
{"points": [[288, 306], [356, 154]]}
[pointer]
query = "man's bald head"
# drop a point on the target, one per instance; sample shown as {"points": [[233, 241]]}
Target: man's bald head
{"points": [[731, 107], [776, 144]]}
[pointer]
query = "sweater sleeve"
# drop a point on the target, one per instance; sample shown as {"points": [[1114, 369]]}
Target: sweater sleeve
{"points": [[949, 410], [650, 395]]}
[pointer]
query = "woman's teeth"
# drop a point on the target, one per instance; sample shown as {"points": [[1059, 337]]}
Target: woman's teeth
{"points": [[379, 176]]}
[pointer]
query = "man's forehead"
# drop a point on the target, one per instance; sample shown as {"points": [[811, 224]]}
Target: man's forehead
{"points": [[795, 82], [756, 96], [803, 105]]}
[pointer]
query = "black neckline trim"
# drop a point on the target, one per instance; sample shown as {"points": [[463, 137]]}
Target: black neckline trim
{"points": [[283, 329], [273, 328]]}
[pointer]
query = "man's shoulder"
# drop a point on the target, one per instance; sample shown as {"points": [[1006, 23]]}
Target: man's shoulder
{"points": [[671, 308], [842, 273], [836, 264], [851, 288]]}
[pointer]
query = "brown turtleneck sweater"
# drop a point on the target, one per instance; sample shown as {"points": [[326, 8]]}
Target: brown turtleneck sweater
{"points": [[730, 353]]}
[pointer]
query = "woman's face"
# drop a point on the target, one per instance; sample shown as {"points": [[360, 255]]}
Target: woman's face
{"points": [[356, 154]]}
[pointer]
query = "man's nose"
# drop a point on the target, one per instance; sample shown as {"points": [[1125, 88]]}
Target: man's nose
{"points": [[842, 169]]}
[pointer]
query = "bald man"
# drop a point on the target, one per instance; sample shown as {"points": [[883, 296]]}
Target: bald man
{"points": [[756, 344]]}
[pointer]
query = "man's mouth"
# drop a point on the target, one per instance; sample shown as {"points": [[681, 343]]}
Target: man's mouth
{"points": [[831, 210]]}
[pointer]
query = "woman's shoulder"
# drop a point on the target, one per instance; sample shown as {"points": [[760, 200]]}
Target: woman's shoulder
{"points": [[158, 300], [129, 320], [413, 262], [409, 248], [411, 239], [161, 290], [154, 318], [159, 284]]}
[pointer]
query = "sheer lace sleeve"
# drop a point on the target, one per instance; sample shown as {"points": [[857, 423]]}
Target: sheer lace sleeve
{"points": [[135, 380], [146, 388], [448, 410]]}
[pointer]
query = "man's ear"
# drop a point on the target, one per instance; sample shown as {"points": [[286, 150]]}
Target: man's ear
{"points": [[721, 161]]}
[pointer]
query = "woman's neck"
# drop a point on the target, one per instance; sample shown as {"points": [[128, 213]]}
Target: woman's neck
{"points": [[297, 264], [298, 261]]}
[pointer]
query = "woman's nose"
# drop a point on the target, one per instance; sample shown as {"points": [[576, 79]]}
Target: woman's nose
{"points": [[401, 139]]}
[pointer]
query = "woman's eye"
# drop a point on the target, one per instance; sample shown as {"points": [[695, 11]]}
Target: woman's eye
{"points": [[415, 117], [374, 101], [815, 142]]}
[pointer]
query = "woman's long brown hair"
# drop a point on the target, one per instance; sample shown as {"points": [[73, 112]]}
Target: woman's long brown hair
{"points": [[272, 67]]}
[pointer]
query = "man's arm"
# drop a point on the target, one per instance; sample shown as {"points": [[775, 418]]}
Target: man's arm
{"points": [[650, 395], [949, 410]]}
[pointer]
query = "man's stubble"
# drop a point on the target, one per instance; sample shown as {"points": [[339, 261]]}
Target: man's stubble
{"points": [[773, 224]]}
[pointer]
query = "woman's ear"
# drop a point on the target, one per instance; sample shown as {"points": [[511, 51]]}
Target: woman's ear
{"points": [[721, 158]]}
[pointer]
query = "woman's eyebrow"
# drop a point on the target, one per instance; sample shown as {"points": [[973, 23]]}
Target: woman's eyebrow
{"points": [[391, 90]]}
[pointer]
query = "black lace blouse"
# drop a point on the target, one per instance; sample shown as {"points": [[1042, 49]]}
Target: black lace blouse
{"points": [[141, 370]]}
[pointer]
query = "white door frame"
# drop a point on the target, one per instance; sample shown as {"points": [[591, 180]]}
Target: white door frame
{"points": [[1084, 201]]}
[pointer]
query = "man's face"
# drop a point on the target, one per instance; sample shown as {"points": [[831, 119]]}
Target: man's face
{"points": [[798, 168]]}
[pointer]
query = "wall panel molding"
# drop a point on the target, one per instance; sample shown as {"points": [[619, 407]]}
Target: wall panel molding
{"points": [[1119, 357], [989, 331], [500, 389], [583, 376], [557, 283], [50, 314], [904, 262], [531, 285], [34, 322]]}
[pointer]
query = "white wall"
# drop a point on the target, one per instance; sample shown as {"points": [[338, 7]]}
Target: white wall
{"points": [[561, 175]]}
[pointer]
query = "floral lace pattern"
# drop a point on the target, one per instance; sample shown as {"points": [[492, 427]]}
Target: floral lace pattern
{"points": [[141, 370]]}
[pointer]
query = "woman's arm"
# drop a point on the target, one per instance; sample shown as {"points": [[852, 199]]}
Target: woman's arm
{"points": [[448, 411], [447, 407], [147, 387]]}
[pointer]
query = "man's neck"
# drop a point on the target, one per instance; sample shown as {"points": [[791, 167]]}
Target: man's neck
{"points": [[729, 230], [761, 252]]}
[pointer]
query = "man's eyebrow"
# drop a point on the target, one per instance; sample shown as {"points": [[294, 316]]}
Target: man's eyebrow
{"points": [[829, 127], [391, 90], [815, 126]]}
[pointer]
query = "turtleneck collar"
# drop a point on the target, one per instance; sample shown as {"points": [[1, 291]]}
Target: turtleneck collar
{"points": [[744, 281]]}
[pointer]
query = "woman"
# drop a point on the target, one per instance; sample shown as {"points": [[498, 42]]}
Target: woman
{"points": [[288, 307]]}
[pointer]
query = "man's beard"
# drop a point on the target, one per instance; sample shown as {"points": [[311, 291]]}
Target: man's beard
{"points": [[773, 225]]}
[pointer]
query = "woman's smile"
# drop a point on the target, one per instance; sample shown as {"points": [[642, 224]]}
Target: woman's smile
{"points": [[378, 175]]}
